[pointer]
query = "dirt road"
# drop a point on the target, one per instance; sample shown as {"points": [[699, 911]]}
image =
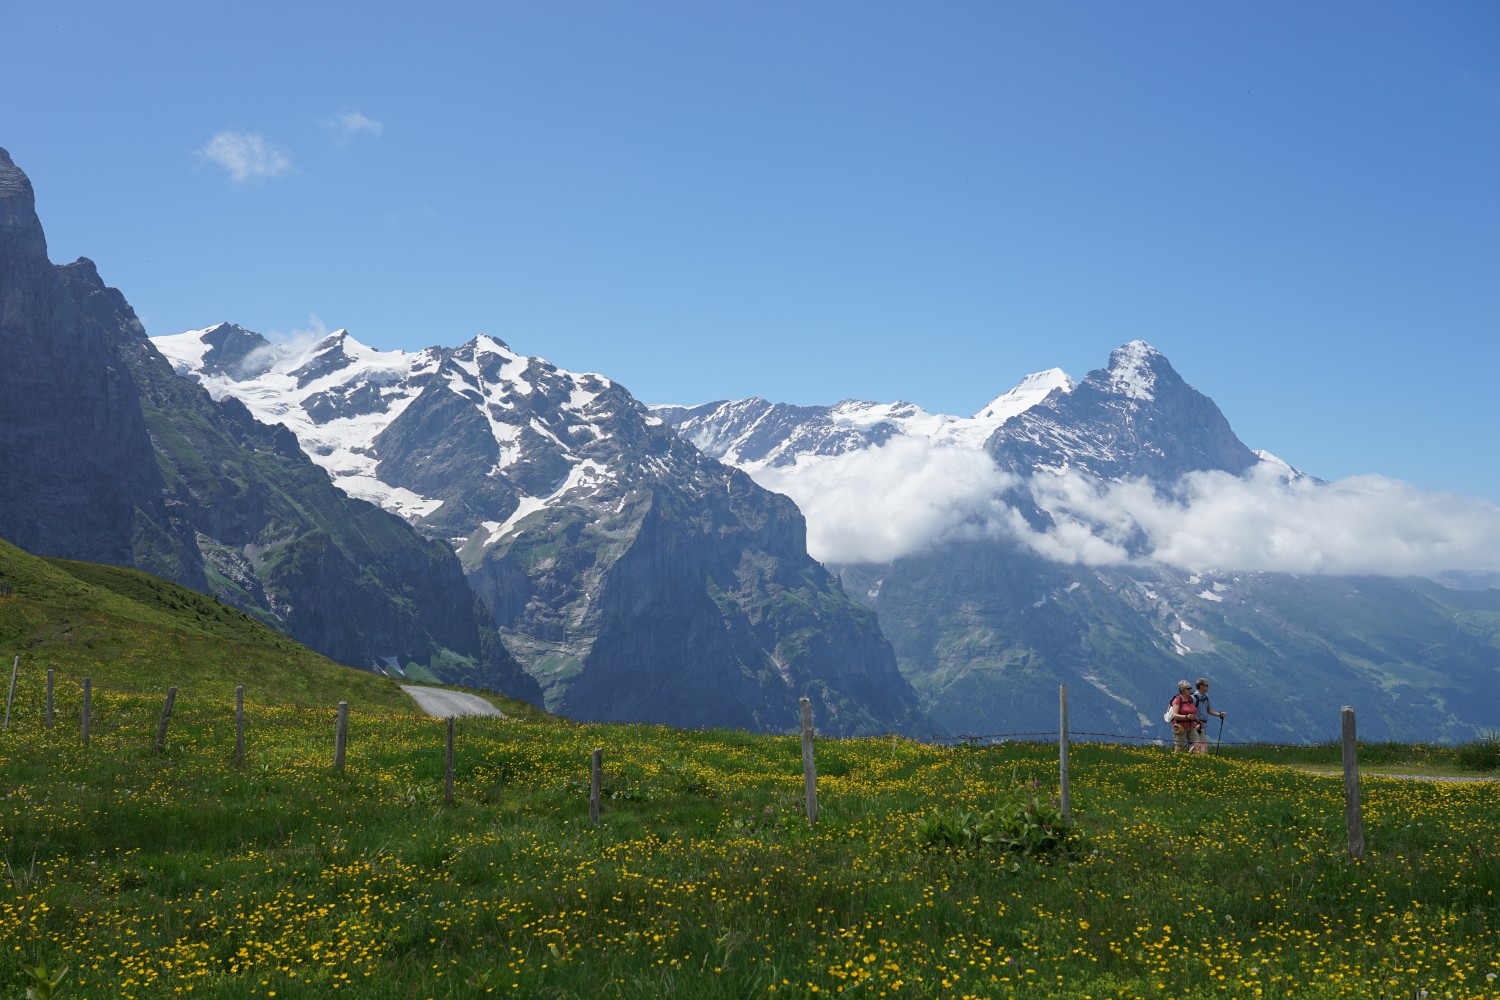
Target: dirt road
{"points": [[445, 704]]}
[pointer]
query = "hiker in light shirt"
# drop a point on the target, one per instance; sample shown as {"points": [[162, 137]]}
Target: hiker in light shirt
{"points": [[1205, 709]]}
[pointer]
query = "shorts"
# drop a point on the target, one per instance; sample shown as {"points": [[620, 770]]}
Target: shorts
{"points": [[1182, 738]]}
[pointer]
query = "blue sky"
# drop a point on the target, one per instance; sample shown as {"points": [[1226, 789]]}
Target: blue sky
{"points": [[1298, 204]]}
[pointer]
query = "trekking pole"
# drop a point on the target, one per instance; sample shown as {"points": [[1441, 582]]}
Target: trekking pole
{"points": [[1218, 742]]}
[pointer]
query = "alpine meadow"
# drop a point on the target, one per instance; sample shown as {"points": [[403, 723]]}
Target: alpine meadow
{"points": [[669, 501]]}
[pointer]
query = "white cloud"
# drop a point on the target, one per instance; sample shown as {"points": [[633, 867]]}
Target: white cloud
{"points": [[351, 124], [1216, 521], [897, 500], [883, 503], [302, 340], [246, 155]]}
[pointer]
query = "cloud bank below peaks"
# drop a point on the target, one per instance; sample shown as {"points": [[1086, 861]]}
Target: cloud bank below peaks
{"points": [[881, 504]]}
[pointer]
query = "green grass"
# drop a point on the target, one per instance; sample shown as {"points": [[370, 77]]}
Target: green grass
{"points": [[171, 874], [148, 874]]}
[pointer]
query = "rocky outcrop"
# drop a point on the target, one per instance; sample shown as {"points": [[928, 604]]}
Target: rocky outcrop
{"points": [[77, 472], [704, 612]]}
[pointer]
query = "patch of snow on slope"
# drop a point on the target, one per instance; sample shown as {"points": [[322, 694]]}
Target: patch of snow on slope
{"points": [[186, 351]]}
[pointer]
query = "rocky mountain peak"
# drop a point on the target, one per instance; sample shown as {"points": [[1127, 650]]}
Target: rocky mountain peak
{"points": [[1135, 369], [20, 229], [327, 356], [236, 352], [1135, 418]]}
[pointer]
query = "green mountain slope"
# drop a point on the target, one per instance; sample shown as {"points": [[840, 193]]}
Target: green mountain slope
{"points": [[130, 631], [987, 631]]}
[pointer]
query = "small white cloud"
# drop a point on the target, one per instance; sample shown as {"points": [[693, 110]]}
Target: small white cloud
{"points": [[246, 155], [351, 124], [289, 350]]}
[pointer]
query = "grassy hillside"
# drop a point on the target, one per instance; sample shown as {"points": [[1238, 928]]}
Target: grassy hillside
{"points": [[129, 631]]}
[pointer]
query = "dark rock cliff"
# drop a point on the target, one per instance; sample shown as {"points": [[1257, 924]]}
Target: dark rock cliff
{"points": [[77, 473]]}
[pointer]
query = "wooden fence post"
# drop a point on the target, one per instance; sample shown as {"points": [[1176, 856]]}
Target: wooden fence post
{"points": [[1352, 816], [341, 736], [1062, 748], [166, 717], [88, 701], [809, 769], [239, 726], [15, 668], [448, 778], [49, 698], [596, 784]]}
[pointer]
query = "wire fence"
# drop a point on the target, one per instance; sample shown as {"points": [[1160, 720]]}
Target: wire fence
{"points": [[995, 739]]}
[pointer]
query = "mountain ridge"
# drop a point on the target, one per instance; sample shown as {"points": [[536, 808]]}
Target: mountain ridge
{"points": [[635, 577]]}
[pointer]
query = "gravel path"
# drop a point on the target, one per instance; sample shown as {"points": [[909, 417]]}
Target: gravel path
{"points": [[1363, 774], [445, 704]]}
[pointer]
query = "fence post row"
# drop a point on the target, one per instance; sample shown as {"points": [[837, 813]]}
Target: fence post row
{"points": [[15, 668], [1062, 749], [809, 769], [166, 717], [1352, 815], [448, 774], [596, 783], [341, 736], [239, 726], [1352, 811]]}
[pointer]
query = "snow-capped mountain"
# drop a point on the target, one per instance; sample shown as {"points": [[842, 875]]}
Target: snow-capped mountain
{"points": [[520, 429], [635, 577], [754, 434], [1137, 417], [1087, 533]]}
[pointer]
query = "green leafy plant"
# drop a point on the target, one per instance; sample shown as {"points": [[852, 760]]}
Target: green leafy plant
{"points": [[1023, 821], [43, 985]]}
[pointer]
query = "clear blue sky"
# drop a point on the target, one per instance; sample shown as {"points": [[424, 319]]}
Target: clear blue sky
{"points": [[1298, 203]]}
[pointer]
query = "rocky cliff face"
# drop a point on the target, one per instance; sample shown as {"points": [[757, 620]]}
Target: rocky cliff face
{"points": [[77, 473], [636, 578], [129, 464]]}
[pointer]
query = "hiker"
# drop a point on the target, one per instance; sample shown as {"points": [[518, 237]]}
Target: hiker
{"points": [[1205, 709], [1186, 726]]}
